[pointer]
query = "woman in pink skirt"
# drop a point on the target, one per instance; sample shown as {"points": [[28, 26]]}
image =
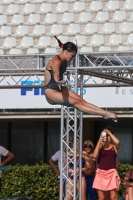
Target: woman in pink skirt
{"points": [[107, 179]]}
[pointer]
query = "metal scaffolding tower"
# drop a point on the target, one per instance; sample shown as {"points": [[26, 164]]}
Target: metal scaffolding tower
{"points": [[114, 69], [114, 66]]}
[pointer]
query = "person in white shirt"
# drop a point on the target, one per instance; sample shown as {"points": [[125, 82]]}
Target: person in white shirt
{"points": [[9, 156], [53, 159]]}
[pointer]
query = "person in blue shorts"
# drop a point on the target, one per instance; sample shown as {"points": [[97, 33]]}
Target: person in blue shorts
{"points": [[89, 170]]}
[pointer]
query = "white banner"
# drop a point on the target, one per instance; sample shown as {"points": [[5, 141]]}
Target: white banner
{"points": [[35, 98]]}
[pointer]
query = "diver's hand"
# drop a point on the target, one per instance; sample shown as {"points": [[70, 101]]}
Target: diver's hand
{"points": [[60, 83]]}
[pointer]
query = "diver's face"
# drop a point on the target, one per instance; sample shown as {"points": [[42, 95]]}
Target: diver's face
{"points": [[69, 55]]}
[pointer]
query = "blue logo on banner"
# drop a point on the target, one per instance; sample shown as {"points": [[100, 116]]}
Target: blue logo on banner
{"points": [[37, 91], [84, 90]]}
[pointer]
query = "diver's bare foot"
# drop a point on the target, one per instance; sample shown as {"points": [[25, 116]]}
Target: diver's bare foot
{"points": [[110, 115]]}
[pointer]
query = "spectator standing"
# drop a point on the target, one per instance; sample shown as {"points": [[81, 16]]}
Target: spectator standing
{"points": [[53, 159], [107, 178]]}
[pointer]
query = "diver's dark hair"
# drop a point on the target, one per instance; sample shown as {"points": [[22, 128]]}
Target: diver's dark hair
{"points": [[69, 46], [110, 129]]}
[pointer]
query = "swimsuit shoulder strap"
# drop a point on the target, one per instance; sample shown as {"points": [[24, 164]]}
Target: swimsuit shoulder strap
{"points": [[59, 57], [60, 60], [47, 69], [47, 65]]}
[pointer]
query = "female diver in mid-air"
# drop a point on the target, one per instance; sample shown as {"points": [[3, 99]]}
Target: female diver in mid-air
{"points": [[57, 94]]}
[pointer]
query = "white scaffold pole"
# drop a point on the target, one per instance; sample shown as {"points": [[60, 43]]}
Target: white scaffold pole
{"points": [[67, 143], [75, 146], [62, 152], [81, 136]]}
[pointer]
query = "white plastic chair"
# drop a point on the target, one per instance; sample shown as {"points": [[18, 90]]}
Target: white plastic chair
{"points": [[131, 18], [87, 0], [6, 2], [21, 31], [90, 0], [119, 16], [86, 49], [97, 40], [72, 29], [114, 40], [56, 29], [33, 19], [1, 9], [25, 43], [38, 1], [38, 30], [1, 51], [129, 40], [67, 18], [78, 7], [50, 50], [112, 6], [125, 27], [69, 1], [28, 9], [63, 39], [123, 48], [45, 8], [14, 51], [5, 31], [81, 40], [61, 7], [16, 20], [50, 18], [8, 43], [84, 17], [104, 48], [22, 1], [128, 5], [32, 51], [43, 42], [90, 29], [95, 6], [101, 17], [3, 20], [108, 28], [12, 9], [53, 1]]}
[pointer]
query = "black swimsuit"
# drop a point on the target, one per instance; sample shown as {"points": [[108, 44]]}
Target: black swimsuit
{"points": [[52, 84]]}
